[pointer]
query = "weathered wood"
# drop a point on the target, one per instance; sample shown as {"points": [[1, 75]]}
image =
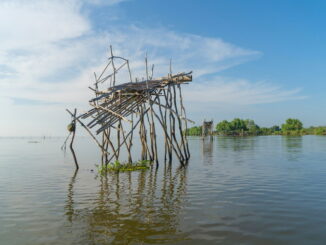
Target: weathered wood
{"points": [[112, 74], [114, 113], [87, 130], [151, 102], [72, 139], [113, 66], [183, 111], [133, 128], [152, 125], [180, 116]]}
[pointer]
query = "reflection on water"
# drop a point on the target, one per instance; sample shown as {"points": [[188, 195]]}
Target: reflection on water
{"points": [[131, 207], [70, 197], [236, 143], [293, 146], [207, 151], [235, 190]]}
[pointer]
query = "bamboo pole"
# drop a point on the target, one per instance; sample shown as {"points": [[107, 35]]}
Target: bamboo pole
{"points": [[119, 103], [72, 139], [152, 125], [126, 137], [88, 131], [183, 144], [111, 145], [183, 109], [114, 71], [118, 139]]}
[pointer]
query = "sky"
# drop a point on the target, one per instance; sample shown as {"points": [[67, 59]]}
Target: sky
{"points": [[263, 60]]}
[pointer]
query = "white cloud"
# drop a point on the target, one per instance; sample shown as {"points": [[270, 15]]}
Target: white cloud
{"points": [[104, 2], [221, 90], [50, 49], [203, 55], [28, 24]]}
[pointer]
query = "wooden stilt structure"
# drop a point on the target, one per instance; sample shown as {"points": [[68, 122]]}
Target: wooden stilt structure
{"points": [[207, 129], [143, 106]]}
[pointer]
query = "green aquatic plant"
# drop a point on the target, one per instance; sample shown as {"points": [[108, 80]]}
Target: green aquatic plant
{"points": [[117, 166]]}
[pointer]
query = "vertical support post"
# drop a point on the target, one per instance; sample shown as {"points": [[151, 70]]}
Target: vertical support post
{"points": [[151, 123], [118, 140], [112, 57], [183, 113], [72, 139]]}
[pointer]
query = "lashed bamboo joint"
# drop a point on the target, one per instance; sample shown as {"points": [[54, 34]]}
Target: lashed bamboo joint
{"points": [[137, 106]]}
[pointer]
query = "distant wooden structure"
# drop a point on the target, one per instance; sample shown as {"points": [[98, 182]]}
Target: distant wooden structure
{"points": [[137, 106], [207, 129]]}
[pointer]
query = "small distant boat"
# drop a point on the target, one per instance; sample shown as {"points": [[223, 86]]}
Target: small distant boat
{"points": [[33, 141]]}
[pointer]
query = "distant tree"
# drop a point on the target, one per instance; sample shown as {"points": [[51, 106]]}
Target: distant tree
{"points": [[242, 127], [224, 127], [275, 128], [238, 125], [320, 131], [292, 124], [264, 131], [193, 131], [252, 127]]}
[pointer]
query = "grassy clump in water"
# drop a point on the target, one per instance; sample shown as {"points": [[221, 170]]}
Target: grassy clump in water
{"points": [[117, 166]]}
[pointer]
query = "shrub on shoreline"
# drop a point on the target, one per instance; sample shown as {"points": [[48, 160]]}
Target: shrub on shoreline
{"points": [[248, 127]]}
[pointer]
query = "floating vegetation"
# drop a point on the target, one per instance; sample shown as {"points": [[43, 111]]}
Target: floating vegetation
{"points": [[117, 166]]}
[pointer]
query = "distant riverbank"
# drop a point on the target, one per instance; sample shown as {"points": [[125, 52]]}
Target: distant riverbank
{"points": [[247, 127]]}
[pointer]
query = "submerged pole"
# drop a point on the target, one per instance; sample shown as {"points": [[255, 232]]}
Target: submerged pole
{"points": [[73, 130]]}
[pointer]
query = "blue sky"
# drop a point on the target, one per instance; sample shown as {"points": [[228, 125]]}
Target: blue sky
{"points": [[252, 59]]}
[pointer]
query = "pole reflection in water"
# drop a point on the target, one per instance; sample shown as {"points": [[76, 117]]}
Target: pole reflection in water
{"points": [[236, 143], [70, 200], [207, 151], [134, 207], [293, 147]]}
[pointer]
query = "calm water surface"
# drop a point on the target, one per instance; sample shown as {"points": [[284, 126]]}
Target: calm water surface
{"points": [[251, 190]]}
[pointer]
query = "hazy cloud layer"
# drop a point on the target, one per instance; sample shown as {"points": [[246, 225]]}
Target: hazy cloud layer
{"points": [[238, 92], [50, 49]]}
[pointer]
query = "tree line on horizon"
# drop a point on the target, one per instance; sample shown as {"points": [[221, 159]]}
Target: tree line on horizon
{"points": [[248, 127]]}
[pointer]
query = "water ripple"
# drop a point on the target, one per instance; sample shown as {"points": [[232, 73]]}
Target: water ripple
{"points": [[255, 190]]}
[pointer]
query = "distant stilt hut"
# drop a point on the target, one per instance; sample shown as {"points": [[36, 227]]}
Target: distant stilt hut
{"points": [[207, 129]]}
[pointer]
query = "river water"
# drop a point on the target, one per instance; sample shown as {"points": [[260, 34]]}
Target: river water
{"points": [[249, 190]]}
